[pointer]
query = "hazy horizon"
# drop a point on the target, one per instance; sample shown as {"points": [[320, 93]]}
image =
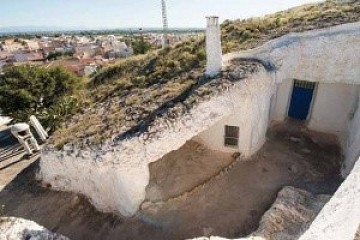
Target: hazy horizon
{"points": [[121, 14]]}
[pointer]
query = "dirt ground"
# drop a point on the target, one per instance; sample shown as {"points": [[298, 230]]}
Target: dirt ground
{"points": [[186, 168], [230, 204]]}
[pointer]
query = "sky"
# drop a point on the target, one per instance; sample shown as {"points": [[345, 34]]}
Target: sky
{"points": [[102, 14]]}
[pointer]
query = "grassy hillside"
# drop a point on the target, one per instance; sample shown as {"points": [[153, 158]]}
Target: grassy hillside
{"points": [[123, 96], [249, 33]]}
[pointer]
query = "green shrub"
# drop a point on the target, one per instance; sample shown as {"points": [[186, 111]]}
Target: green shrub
{"points": [[29, 90]]}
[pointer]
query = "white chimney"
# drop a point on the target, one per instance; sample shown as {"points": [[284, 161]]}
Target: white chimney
{"points": [[213, 46]]}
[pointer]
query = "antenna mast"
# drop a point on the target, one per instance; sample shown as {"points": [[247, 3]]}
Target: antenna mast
{"points": [[165, 24]]}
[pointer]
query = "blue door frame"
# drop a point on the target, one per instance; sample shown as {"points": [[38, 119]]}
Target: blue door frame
{"points": [[301, 100]]}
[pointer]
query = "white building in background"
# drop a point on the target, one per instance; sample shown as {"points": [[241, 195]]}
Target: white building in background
{"points": [[32, 45], [91, 69]]}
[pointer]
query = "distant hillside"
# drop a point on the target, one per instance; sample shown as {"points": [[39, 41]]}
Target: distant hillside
{"points": [[123, 98]]}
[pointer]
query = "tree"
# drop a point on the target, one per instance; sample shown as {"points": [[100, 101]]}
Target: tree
{"points": [[28, 90], [53, 55], [140, 46]]}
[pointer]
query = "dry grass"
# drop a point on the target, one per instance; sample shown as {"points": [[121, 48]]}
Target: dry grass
{"points": [[250, 33], [122, 95]]}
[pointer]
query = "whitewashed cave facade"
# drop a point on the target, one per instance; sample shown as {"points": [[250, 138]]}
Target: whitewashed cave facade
{"points": [[330, 60], [114, 176]]}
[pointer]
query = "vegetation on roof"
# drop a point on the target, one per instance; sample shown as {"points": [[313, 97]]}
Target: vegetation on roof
{"points": [[123, 95], [142, 84]]}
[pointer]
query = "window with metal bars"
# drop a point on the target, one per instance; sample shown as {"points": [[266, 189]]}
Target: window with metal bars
{"points": [[231, 136], [304, 84]]}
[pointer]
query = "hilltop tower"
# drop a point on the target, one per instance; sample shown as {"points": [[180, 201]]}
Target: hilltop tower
{"points": [[165, 40], [213, 46]]}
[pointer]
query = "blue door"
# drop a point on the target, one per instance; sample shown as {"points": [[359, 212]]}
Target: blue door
{"points": [[301, 99]]}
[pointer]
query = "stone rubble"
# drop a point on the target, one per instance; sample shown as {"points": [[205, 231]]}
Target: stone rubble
{"points": [[289, 217], [12, 228]]}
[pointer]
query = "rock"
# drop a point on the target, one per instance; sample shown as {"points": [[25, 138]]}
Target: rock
{"points": [[75, 201], [290, 215], [294, 168], [170, 104], [306, 150], [208, 231], [295, 140], [20, 229], [200, 148], [314, 140], [236, 155], [128, 110]]}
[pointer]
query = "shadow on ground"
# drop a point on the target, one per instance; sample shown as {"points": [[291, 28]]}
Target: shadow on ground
{"points": [[230, 207], [66, 213]]}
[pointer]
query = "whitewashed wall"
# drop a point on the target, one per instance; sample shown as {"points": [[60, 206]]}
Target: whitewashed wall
{"points": [[213, 46], [333, 108], [250, 113], [282, 99], [329, 55], [352, 150]]}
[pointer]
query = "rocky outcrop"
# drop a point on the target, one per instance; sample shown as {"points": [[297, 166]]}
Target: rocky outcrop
{"points": [[291, 214], [20, 229], [340, 218], [289, 217]]}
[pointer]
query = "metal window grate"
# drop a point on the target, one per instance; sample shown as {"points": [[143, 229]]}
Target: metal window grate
{"points": [[231, 136], [304, 84]]}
